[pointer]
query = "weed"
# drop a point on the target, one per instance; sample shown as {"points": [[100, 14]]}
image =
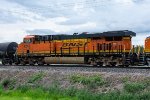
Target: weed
{"points": [[145, 96], [23, 88], [125, 79], [8, 84], [90, 81], [54, 88], [84, 94], [1, 88], [146, 81], [71, 91], [134, 87], [36, 77]]}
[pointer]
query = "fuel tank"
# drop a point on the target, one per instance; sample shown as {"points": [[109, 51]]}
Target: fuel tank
{"points": [[64, 60]]}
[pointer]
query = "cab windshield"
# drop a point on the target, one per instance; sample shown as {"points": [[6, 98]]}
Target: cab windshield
{"points": [[27, 40]]}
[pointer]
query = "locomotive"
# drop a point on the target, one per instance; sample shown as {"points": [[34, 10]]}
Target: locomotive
{"points": [[112, 48]]}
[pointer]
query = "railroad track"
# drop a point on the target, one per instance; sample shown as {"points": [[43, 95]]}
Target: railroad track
{"points": [[84, 66], [80, 68]]}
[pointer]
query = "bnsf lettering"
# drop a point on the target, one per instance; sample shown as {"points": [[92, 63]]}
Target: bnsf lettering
{"points": [[73, 44]]}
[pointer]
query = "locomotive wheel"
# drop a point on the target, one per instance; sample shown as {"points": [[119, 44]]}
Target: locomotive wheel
{"points": [[10, 62], [48, 64], [23, 63], [16, 63], [100, 64], [95, 65], [148, 62], [40, 63], [31, 63], [3, 63], [113, 64], [127, 65]]}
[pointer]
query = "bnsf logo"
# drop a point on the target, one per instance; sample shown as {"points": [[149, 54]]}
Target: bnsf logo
{"points": [[73, 44]]}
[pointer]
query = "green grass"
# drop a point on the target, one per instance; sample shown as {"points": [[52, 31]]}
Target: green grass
{"points": [[29, 93], [134, 87], [147, 81], [90, 81], [131, 90], [125, 79], [57, 93]]}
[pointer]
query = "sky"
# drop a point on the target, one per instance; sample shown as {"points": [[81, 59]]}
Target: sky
{"points": [[19, 18]]}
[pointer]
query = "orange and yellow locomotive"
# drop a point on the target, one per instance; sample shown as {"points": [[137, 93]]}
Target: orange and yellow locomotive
{"points": [[104, 49]]}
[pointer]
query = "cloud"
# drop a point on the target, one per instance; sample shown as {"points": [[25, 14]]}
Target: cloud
{"points": [[11, 33], [74, 21], [140, 39], [12, 13], [27, 3], [63, 16], [7, 17], [47, 8], [115, 15], [40, 32]]}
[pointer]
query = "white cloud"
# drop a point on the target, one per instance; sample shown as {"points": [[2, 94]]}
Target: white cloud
{"points": [[20, 16], [11, 33], [140, 39]]}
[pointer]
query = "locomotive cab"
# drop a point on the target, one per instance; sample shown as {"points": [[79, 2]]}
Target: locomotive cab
{"points": [[24, 47], [28, 39]]}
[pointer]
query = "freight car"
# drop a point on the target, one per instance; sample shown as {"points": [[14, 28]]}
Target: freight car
{"points": [[112, 48], [7, 52]]}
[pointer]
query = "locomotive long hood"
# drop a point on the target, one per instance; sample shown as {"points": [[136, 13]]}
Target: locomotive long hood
{"points": [[122, 33], [119, 33]]}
